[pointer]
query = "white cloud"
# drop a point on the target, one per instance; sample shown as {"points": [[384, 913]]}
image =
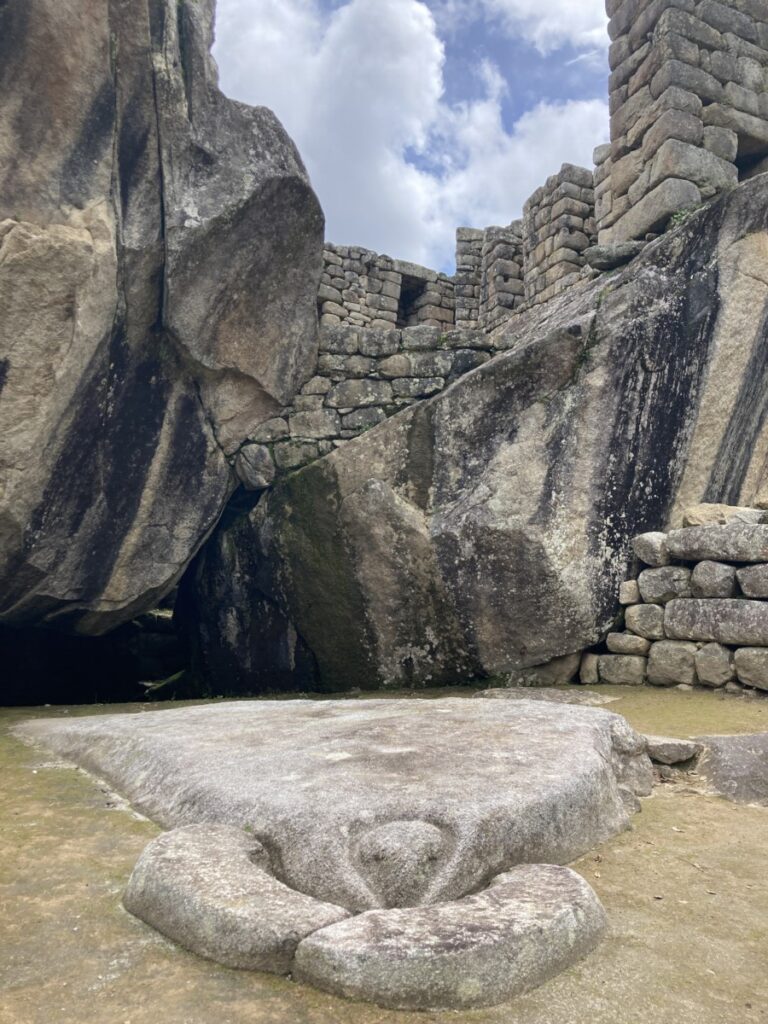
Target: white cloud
{"points": [[361, 91], [549, 24]]}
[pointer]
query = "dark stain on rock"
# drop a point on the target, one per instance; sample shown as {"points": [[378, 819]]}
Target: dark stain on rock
{"points": [[659, 366], [133, 139], [745, 426], [5, 365], [94, 140], [100, 474]]}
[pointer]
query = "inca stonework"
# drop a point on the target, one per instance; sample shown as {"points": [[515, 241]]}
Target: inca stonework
{"points": [[689, 120], [689, 108], [697, 612]]}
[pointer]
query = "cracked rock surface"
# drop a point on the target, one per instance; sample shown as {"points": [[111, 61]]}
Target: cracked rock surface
{"points": [[160, 249]]}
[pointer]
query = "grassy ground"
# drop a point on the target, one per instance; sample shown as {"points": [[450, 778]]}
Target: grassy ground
{"points": [[685, 892]]}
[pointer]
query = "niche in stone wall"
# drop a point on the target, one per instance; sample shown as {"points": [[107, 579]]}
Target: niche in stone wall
{"points": [[411, 290]]}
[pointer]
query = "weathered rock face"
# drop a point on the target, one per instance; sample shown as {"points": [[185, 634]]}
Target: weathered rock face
{"points": [[488, 529], [160, 249]]}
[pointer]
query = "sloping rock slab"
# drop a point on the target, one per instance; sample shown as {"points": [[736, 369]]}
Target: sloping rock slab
{"points": [[370, 804], [487, 530], [209, 888], [736, 767], [530, 924], [586, 698]]}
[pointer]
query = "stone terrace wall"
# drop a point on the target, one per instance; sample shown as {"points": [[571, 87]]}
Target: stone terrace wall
{"points": [[363, 376], [558, 226], [689, 108], [360, 288]]}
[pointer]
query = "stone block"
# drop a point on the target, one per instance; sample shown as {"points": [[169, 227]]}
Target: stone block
{"points": [[752, 131], [339, 340], [651, 548], [315, 424], [751, 665], [317, 386], [673, 124], [359, 366], [373, 342], [753, 580], [628, 643], [417, 387], [691, 27], [255, 467], [622, 669], [735, 541], [359, 393], [328, 294], [725, 18], [629, 593], [430, 364], [646, 620], [293, 454], [658, 586], [419, 339], [673, 98], [654, 210], [713, 579], [363, 419], [671, 662], [684, 76], [726, 621], [723, 142], [714, 665], [741, 98], [709, 514], [588, 670], [669, 750], [398, 365], [677, 159]]}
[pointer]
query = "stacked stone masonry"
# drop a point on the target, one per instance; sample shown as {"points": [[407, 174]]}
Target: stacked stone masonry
{"points": [[688, 95], [360, 288], [697, 613], [558, 227], [363, 376], [689, 109], [489, 275]]}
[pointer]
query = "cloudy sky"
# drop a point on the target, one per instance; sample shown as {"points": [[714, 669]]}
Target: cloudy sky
{"points": [[416, 116]]}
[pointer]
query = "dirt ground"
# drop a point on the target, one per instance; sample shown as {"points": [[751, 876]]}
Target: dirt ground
{"points": [[686, 892]]}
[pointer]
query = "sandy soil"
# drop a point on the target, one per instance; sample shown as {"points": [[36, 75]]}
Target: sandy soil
{"points": [[685, 890]]}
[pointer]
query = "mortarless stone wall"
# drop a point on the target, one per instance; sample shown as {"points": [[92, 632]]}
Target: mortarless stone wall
{"points": [[689, 108], [360, 288], [558, 226]]}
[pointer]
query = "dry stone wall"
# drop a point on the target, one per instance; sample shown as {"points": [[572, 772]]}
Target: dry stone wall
{"points": [[689, 109], [360, 288], [558, 226], [689, 120], [363, 376], [697, 613]]}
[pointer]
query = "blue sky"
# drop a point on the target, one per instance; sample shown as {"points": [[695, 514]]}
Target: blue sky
{"points": [[417, 116]]}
